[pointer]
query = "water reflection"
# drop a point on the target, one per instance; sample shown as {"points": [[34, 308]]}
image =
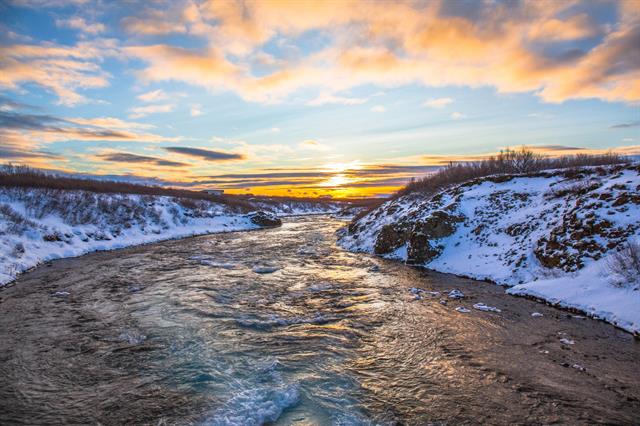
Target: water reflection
{"points": [[189, 331]]}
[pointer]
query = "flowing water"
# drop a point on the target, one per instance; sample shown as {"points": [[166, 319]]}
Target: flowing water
{"points": [[281, 326]]}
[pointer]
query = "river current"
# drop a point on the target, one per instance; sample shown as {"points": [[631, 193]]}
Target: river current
{"points": [[282, 327]]}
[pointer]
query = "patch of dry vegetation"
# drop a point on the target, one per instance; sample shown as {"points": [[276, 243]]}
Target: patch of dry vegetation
{"points": [[625, 264], [26, 177], [508, 162]]}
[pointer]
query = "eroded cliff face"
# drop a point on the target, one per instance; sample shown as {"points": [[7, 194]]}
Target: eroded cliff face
{"points": [[515, 230]]}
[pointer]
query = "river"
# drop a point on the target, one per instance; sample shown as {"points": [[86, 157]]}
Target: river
{"points": [[281, 326]]}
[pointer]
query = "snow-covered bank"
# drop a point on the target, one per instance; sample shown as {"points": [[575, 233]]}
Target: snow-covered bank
{"points": [[548, 235], [38, 225]]}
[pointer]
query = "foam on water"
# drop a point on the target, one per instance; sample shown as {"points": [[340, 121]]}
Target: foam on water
{"points": [[256, 406], [260, 399]]}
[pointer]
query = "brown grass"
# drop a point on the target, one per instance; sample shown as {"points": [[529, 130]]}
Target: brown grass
{"points": [[508, 162], [25, 177]]}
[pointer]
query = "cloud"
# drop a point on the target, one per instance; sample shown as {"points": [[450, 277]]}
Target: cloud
{"points": [[124, 157], [378, 108], [553, 49], [328, 98], [15, 153], [374, 183], [78, 23], [313, 145], [438, 102], [153, 96], [208, 68], [163, 20], [275, 129], [273, 175], [626, 125], [556, 50], [143, 111], [206, 154], [457, 115], [260, 183], [63, 70], [110, 122], [555, 148], [196, 110], [31, 130], [386, 169]]}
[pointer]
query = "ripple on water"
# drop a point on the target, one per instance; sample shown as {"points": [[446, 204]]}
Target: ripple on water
{"points": [[328, 339], [271, 321]]}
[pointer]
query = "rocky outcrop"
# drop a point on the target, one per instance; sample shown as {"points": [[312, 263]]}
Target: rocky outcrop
{"points": [[418, 236], [264, 219], [554, 220], [439, 224], [549, 235], [583, 235], [390, 238], [421, 249]]}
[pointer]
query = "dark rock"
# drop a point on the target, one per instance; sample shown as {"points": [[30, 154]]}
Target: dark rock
{"points": [[264, 219], [421, 249], [439, 225], [390, 238], [353, 227]]}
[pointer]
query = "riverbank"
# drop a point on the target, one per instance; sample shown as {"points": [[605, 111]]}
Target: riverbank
{"points": [[551, 235], [40, 225]]}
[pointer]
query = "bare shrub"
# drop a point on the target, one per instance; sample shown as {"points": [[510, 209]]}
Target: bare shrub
{"points": [[626, 265], [18, 250], [16, 223], [13, 176], [508, 162], [576, 189]]}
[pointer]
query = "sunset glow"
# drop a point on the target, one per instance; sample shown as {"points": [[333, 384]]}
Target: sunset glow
{"points": [[311, 98]]}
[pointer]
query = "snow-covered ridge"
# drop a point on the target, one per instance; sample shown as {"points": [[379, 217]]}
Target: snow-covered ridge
{"points": [[548, 235], [38, 225]]}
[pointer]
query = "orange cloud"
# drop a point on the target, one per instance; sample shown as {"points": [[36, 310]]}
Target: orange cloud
{"points": [[62, 70], [529, 46], [391, 44], [78, 23]]}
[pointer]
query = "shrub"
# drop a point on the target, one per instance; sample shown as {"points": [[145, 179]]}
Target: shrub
{"points": [[625, 264], [12, 176], [507, 162], [26, 177], [16, 223]]}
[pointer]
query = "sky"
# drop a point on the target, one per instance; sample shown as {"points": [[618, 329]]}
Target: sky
{"points": [[311, 98]]}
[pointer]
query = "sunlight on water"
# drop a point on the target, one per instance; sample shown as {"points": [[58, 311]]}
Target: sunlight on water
{"points": [[329, 338]]}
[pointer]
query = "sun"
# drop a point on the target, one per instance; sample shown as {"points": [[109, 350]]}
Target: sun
{"points": [[343, 167]]}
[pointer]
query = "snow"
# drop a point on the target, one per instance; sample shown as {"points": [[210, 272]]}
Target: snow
{"points": [[485, 308], [38, 225], [588, 290], [462, 310], [265, 269], [456, 294], [506, 220]]}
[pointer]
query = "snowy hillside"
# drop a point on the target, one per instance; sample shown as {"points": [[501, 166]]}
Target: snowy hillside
{"points": [[37, 225], [550, 235]]}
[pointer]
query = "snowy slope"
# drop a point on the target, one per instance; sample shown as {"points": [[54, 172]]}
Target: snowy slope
{"points": [[38, 225], [549, 235]]}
